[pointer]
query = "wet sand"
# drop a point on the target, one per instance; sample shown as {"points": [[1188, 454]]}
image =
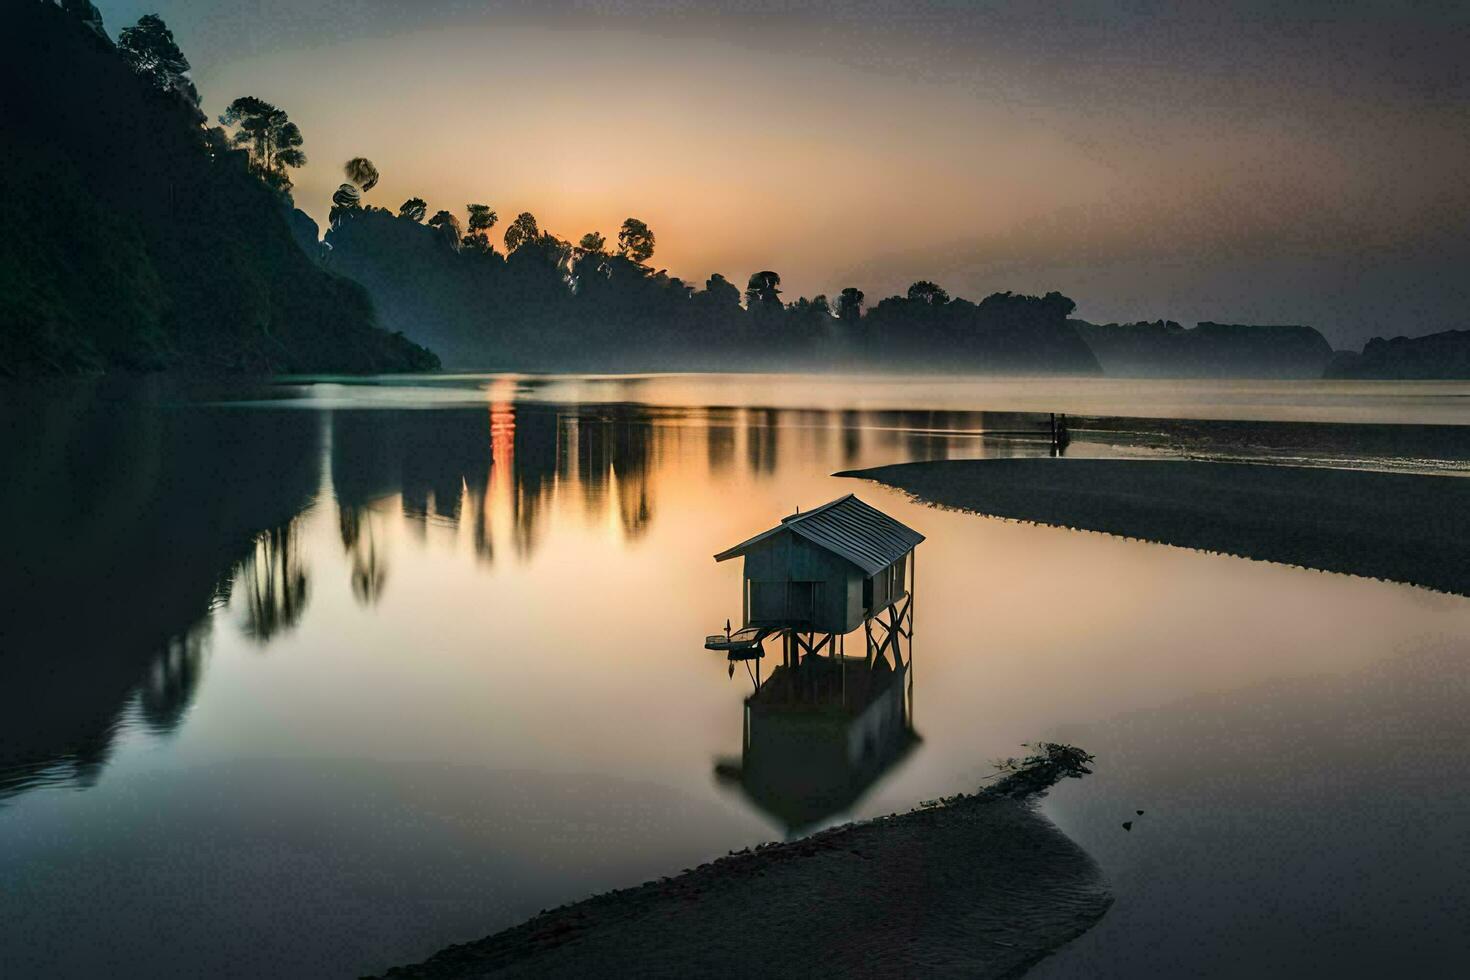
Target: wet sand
{"points": [[1393, 526], [976, 885]]}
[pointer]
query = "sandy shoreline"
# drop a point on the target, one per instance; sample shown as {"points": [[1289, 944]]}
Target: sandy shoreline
{"points": [[1390, 526], [976, 885]]}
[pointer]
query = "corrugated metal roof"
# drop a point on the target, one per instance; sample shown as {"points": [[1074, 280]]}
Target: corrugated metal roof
{"points": [[849, 528]]}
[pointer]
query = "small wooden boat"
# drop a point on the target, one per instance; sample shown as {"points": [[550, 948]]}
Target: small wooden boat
{"points": [[742, 644]]}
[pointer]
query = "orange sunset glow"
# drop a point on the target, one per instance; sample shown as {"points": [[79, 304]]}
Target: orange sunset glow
{"points": [[468, 466], [839, 156]]}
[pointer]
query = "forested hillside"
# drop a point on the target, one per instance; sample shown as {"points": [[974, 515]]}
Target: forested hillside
{"points": [[135, 237]]}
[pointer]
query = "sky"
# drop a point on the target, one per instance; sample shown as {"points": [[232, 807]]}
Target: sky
{"points": [[1253, 162]]}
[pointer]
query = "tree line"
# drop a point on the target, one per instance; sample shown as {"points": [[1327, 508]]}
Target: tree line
{"points": [[533, 299], [539, 300]]}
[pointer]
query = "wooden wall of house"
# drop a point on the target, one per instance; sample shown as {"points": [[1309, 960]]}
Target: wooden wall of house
{"points": [[785, 558], [887, 585]]}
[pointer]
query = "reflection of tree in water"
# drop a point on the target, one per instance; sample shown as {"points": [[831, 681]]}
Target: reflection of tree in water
{"points": [[884, 431], [442, 455], [534, 457], [632, 463], [478, 467], [926, 434], [613, 445], [762, 427], [720, 433], [141, 517], [636, 510], [438, 462], [590, 445], [359, 540], [273, 579], [159, 702], [481, 538], [852, 436], [171, 682], [79, 764]]}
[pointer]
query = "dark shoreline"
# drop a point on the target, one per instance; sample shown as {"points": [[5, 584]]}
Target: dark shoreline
{"points": [[974, 885], [1402, 528]]}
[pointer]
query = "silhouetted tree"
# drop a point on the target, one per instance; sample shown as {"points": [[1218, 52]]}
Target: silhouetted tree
{"points": [[635, 240], [448, 226], [482, 219], [850, 304], [589, 263], [150, 49], [925, 291], [808, 322], [547, 251], [721, 292], [362, 172], [346, 200], [762, 294], [413, 209], [1057, 305], [522, 230], [1003, 332], [272, 139], [814, 307]]}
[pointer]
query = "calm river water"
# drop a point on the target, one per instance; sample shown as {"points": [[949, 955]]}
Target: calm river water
{"points": [[314, 678]]}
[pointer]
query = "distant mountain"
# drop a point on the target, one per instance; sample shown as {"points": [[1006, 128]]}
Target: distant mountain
{"points": [[126, 242], [1163, 348], [1435, 356]]}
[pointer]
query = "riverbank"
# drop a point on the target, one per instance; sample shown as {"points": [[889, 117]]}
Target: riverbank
{"points": [[976, 885], [1393, 526]]}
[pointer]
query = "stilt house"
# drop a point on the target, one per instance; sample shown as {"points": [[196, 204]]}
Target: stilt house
{"points": [[827, 570]]}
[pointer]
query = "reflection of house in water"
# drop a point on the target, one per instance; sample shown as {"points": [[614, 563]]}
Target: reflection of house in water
{"points": [[824, 726], [817, 737]]}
